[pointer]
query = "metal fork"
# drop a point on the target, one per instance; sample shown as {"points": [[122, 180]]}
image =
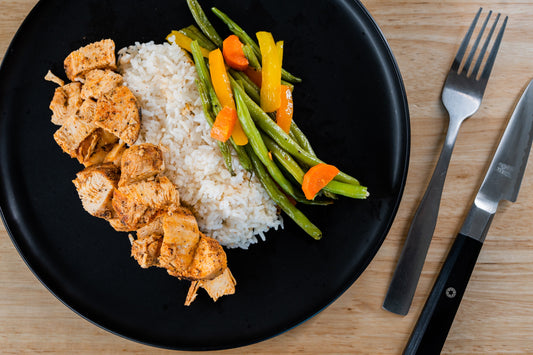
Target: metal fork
{"points": [[461, 95]]}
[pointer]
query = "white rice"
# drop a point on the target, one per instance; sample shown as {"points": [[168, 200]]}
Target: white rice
{"points": [[232, 209]]}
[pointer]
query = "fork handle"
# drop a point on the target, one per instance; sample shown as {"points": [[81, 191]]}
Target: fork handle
{"points": [[405, 279]]}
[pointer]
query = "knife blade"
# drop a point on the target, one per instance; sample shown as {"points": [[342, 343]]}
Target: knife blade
{"points": [[502, 182]]}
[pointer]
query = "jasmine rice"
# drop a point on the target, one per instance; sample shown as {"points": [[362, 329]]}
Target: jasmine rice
{"points": [[235, 210]]}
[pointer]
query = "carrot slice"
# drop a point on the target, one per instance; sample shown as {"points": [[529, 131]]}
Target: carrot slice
{"points": [[222, 86], [224, 124], [286, 109], [234, 54], [316, 178]]}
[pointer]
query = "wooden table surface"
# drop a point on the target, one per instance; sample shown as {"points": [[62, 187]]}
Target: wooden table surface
{"points": [[496, 314]]}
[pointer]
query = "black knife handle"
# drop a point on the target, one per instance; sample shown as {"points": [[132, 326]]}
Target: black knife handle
{"points": [[434, 323]]}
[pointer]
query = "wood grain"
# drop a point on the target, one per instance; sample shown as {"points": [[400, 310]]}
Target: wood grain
{"points": [[496, 315]]}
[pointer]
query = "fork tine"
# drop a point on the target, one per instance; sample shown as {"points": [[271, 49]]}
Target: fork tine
{"points": [[492, 57], [484, 49], [464, 44], [466, 66]]}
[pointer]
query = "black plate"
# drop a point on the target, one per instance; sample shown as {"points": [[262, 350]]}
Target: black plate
{"points": [[352, 105]]}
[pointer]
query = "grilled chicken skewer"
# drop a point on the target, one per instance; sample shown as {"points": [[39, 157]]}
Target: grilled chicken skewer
{"points": [[99, 118]]}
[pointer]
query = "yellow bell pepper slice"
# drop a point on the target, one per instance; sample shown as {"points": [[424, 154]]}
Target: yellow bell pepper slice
{"points": [[271, 71], [222, 86], [279, 47], [178, 38]]}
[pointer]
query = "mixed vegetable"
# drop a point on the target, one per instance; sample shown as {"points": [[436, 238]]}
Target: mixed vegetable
{"points": [[247, 100]]}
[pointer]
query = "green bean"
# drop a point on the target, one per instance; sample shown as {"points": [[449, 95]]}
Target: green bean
{"points": [[217, 106], [290, 85], [251, 89], [254, 139], [226, 154], [206, 105], [239, 32], [252, 58], [201, 66], [203, 74], [289, 77], [301, 139], [280, 199], [195, 34], [263, 120], [348, 190], [293, 137], [203, 22], [244, 159], [284, 158]]}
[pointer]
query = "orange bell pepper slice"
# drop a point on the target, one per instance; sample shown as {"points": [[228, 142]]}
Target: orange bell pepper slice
{"points": [[317, 178], [234, 54], [224, 124], [222, 86], [254, 75], [286, 109], [272, 55]]}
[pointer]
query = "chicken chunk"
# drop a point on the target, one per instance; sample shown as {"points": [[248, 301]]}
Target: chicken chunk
{"points": [[115, 154], [118, 112], [181, 238], [95, 186], [87, 147], [65, 103], [107, 139], [146, 250], [222, 285], [87, 110], [117, 225], [54, 78], [159, 193], [72, 133], [104, 146], [140, 162], [97, 55], [154, 227], [97, 157], [138, 204], [99, 82], [131, 214], [209, 260]]}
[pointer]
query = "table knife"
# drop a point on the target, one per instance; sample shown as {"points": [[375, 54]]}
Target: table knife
{"points": [[501, 182]]}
